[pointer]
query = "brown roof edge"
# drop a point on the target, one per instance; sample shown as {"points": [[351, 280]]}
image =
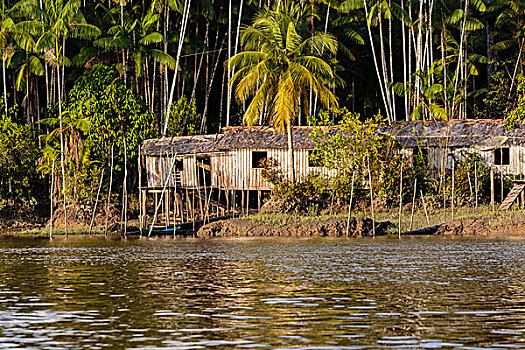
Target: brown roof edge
{"points": [[267, 128], [451, 121]]}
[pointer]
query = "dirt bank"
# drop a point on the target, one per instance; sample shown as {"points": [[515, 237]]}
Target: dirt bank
{"points": [[483, 227], [333, 227]]}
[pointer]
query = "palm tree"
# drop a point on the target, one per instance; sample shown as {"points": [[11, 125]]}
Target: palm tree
{"points": [[7, 26], [58, 20], [279, 66]]}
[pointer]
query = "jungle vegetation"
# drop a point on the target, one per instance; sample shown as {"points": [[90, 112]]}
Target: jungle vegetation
{"points": [[84, 82]]}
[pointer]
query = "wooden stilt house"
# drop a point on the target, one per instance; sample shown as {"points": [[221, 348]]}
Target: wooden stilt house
{"points": [[218, 173], [444, 142]]}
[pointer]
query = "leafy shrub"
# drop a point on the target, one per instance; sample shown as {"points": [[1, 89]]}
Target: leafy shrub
{"points": [[466, 168], [18, 155], [184, 119]]}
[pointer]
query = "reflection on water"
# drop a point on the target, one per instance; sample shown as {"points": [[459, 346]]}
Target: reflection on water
{"points": [[323, 294]]}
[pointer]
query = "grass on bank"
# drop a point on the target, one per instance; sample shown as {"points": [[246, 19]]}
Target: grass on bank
{"points": [[420, 219], [59, 231]]}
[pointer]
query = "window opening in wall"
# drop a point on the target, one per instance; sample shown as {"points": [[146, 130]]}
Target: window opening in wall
{"points": [[179, 165], [203, 171], [314, 159], [502, 156], [257, 158]]}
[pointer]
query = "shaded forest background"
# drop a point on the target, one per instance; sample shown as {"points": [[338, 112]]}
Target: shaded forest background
{"points": [[84, 82]]}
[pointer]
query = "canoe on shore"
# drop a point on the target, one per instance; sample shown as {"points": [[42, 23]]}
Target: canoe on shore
{"points": [[160, 231]]}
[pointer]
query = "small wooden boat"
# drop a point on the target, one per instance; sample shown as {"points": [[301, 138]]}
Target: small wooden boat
{"points": [[157, 231]]}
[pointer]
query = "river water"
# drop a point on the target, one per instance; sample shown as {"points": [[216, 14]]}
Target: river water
{"points": [[91, 293]]}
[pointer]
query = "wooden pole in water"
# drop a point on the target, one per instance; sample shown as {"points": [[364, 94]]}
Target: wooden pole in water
{"points": [[96, 202], [167, 208], [175, 204], [248, 202], [144, 196], [227, 193], [109, 193], [400, 200], [205, 193], [350, 205], [161, 196], [234, 202], [502, 178], [51, 195], [413, 205], [371, 197]]}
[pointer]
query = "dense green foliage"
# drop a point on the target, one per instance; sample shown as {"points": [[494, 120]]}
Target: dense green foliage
{"points": [[106, 73], [18, 154]]}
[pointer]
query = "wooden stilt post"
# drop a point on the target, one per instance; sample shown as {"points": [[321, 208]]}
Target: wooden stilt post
{"points": [[156, 201], [205, 193], [144, 195], [502, 180], [227, 193], [492, 187], [193, 208], [96, 203], [188, 205], [167, 207], [234, 200], [247, 202], [522, 198], [242, 199]]}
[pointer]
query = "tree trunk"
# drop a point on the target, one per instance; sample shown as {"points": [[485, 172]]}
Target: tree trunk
{"points": [[179, 50], [5, 85]]}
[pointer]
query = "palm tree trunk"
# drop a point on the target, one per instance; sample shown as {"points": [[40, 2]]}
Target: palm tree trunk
{"points": [[403, 40], [123, 51], [228, 93], [379, 78], [179, 50], [204, 124], [5, 84], [62, 160]]}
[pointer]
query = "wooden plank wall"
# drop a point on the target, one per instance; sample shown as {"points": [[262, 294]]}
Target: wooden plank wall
{"points": [[516, 153], [233, 170], [238, 165]]}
